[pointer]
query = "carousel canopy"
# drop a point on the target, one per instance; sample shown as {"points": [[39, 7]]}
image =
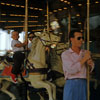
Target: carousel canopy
{"points": [[12, 14]]}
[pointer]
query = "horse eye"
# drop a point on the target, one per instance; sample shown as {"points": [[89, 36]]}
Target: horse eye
{"points": [[44, 35]]}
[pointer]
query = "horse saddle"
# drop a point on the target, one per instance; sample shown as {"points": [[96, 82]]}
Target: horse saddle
{"points": [[6, 72]]}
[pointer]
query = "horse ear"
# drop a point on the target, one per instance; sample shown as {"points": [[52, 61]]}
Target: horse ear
{"points": [[44, 30], [38, 34]]}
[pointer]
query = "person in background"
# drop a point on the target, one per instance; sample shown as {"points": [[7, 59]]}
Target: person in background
{"points": [[30, 37], [75, 60], [19, 55]]}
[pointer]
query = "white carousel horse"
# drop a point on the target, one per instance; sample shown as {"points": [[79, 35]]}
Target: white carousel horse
{"points": [[36, 57]]}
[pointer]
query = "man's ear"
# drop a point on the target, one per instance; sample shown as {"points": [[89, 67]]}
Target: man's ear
{"points": [[71, 39]]}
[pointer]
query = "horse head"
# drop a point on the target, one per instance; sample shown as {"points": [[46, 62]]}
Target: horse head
{"points": [[48, 38], [39, 43]]}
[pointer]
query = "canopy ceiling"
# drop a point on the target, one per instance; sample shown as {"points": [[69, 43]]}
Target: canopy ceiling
{"points": [[12, 12]]}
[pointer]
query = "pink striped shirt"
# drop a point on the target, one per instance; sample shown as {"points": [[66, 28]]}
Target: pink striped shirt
{"points": [[71, 64]]}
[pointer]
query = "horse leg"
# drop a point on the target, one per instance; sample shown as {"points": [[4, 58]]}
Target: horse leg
{"points": [[3, 89], [10, 94], [60, 82], [28, 97], [43, 84], [53, 89], [41, 97]]}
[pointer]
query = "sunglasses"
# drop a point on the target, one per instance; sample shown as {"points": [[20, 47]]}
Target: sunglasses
{"points": [[79, 38]]}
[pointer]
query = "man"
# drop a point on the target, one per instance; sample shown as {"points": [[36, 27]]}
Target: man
{"points": [[30, 36], [75, 61]]}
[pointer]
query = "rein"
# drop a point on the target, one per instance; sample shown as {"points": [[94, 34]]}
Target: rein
{"points": [[44, 41], [32, 69]]}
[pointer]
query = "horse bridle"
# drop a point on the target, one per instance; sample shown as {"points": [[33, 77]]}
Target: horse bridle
{"points": [[44, 41]]}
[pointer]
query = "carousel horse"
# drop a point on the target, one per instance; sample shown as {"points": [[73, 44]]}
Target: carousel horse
{"points": [[4, 85], [36, 64], [57, 73]]}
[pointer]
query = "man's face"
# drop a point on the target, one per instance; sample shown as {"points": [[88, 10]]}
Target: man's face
{"points": [[77, 40], [31, 36]]}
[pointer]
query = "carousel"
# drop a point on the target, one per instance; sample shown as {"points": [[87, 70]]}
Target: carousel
{"points": [[42, 76]]}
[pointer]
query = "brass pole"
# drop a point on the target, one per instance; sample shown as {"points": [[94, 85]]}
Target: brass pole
{"points": [[26, 17], [85, 29], [88, 38], [48, 20], [47, 17], [69, 26], [26, 21]]}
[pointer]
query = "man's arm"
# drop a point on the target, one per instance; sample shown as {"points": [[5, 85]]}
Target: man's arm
{"points": [[69, 65], [85, 58]]}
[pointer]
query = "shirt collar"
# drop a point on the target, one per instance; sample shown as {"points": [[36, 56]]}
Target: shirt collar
{"points": [[71, 51]]}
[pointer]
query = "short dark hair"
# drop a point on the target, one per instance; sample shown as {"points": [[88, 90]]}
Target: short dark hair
{"points": [[71, 34], [31, 33]]}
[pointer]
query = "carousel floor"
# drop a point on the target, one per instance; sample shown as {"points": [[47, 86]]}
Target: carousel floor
{"points": [[20, 92], [4, 96]]}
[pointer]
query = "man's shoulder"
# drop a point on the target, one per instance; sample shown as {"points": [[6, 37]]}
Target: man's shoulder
{"points": [[83, 50], [65, 52]]}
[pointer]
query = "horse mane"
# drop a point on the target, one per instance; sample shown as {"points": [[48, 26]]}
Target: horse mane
{"points": [[37, 53], [34, 44]]}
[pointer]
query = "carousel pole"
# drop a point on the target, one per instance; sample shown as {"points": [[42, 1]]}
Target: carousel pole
{"points": [[85, 29], [88, 34], [26, 22], [48, 17], [48, 20], [69, 26]]}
